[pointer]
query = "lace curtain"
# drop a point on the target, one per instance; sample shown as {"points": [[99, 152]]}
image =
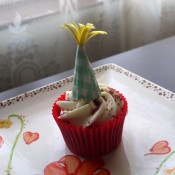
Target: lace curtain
{"points": [[33, 47]]}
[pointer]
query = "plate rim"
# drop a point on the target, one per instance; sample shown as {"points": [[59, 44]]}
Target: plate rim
{"points": [[169, 95]]}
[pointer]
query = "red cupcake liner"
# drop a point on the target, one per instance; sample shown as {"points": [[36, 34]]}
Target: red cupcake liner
{"points": [[92, 141]]}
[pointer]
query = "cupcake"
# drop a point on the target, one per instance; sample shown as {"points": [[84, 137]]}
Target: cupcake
{"points": [[91, 115]]}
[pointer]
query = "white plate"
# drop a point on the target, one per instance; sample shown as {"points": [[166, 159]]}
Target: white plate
{"points": [[150, 119]]}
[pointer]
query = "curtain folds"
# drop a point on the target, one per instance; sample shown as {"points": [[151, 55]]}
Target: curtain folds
{"points": [[33, 47]]}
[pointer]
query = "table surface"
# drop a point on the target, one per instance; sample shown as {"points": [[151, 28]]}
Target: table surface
{"points": [[154, 62]]}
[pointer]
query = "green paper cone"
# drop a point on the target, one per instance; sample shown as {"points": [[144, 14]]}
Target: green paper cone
{"points": [[85, 86]]}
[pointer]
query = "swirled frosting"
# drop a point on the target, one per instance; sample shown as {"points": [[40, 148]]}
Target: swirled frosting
{"points": [[101, 110]]}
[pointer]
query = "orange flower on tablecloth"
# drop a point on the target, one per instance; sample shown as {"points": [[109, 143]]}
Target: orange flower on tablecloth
{"points": [[169, 171], [5, 123], [72, 165]]}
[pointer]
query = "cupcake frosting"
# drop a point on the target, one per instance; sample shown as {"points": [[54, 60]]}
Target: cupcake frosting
{"points": [[95, 112]]}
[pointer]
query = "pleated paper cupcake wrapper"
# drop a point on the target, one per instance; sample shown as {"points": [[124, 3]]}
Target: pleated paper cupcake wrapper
{"points": [[92, 141]]}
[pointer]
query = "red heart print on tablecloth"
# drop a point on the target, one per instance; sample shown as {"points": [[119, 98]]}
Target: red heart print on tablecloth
{"points": [[159, 148], [1, 141], [30, 137]]}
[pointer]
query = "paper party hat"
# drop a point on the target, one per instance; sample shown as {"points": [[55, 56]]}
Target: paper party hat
{"points": [[85, 86]]}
